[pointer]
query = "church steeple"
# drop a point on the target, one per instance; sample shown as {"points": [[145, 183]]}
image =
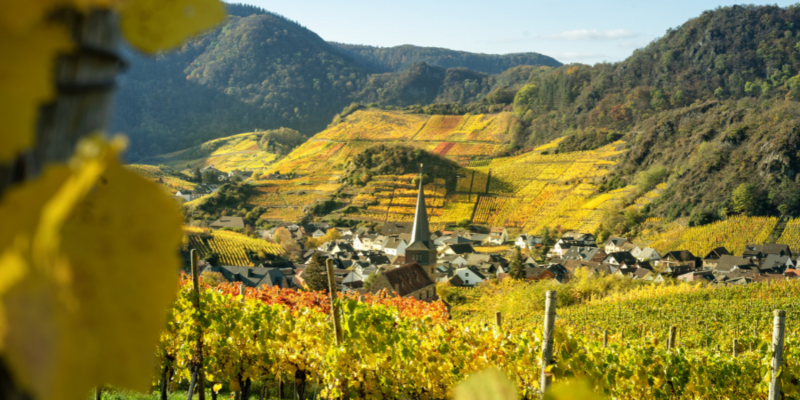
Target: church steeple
{"points": [[421, 231], [422, 249]]}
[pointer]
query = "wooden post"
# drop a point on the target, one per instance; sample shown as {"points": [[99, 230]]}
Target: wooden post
{"points": [[198, 376], [734, 347], [671, 340], [547, 339], [242, 291], [605, 338], [337, 324], [778, 326], [498, 321], [98, 393], [337, 327]]}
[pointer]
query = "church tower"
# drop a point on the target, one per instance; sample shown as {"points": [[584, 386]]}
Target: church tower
{"points": [[422, 250]]}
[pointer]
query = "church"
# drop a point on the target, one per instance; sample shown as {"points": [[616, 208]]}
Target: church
{"points": [[418, 277]]}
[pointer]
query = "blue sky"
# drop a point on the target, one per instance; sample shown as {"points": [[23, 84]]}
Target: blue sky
{"points": [[568, 30]]}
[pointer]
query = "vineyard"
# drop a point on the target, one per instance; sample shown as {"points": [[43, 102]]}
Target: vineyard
{"points": [[170, 183], [734, 234], [230, 246], [395, 347]]}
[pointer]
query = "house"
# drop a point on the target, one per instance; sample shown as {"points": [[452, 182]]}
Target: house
{"points": [[396, 228], [240, 173], [712, 258], [252, 276], [614, 244], [620, 258], [538, 274], [580, 239], [649, 254], [727, 264], [561, 273], [228, 222], [756, 251], [497, 235], [467, 277], [585, 253], [185, 195], [364, 241], [675, 271], [455, 259], [479, 258], [409, 280], [776, 264], [681, 257], [642, 274], [632, 248], [592, 268], [459, 249], [395, 246], [477, 239], [697, 276], [526, 241]]}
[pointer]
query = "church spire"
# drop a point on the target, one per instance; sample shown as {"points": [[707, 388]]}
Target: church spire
{"points": [[420, 232]]}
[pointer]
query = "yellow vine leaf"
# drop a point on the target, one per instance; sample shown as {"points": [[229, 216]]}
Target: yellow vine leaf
{"points": [[26, 81], [158, 25], [92, 251], [489, 384], [21, 16]]}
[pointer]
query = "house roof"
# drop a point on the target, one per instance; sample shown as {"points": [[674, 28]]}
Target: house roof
{"points": [[697, 275], [623, 257], [628, 246], [641, 273], [774, 261], [534, 272], [767, 248], [616, 241], [728, 263], [228, 222], [681, 255], [463, 248], [410, 277], [717, 253], [393, 243], [396, 228], [649, 253], [251, 276], [581, 253]]}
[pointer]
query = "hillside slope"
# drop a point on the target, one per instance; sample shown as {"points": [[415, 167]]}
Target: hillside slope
{"points": [[714, 102], [261, 71]]}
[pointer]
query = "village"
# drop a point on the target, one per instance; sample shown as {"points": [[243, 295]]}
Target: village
{"points": [[408, 260]]}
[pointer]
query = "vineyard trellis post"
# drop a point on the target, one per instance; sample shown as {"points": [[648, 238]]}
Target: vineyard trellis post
{"points": [[337, 327], [734, 347], [198, 377], [671, 340], [778, 329], [605, 338], [498, 320], [547, 338]]}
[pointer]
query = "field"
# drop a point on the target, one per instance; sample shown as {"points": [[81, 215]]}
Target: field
{"points": [[230, 246], [390, 345]]}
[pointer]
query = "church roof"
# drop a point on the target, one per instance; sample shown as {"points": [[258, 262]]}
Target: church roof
{"points": [[420, 233]]}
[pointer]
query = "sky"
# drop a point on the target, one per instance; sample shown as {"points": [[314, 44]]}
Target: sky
{"points": [[568, 30]]}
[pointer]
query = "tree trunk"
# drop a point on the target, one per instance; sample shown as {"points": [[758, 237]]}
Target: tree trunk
{"points": [[300, 384], [280, 387], [164, 381]]}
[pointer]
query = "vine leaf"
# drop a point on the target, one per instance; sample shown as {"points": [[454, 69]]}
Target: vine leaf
{"points": [[92, 251]]}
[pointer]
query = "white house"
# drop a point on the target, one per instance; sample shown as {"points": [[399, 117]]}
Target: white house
{"points": [[648, 253], [468, 277], [614, 244], [185, 195], [497, 235], [395, 247], [525, 241]]}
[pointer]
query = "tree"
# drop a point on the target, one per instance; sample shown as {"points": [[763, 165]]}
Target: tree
{"points": [[210, 177], [370, 280], [517, 268], [212, 258], [315, 274], [744, 199], [197, 176]]}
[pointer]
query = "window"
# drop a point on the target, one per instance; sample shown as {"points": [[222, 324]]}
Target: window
{"points": [[466, 282], [466, 274]]}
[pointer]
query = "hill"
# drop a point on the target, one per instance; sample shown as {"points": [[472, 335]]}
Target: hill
{"points": [[713, 103], [260, 70], [400, 58]]}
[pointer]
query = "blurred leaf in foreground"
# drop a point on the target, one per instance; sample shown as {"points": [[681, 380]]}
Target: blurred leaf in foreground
{"points": [[489, 384]]}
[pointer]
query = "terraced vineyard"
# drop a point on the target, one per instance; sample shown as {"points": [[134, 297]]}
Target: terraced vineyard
{"points": [[169, 182], [230, 246]]}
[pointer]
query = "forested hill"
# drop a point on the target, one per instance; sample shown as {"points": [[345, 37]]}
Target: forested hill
{"points": [[400, 58], [260, 70], [713, 102]]}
